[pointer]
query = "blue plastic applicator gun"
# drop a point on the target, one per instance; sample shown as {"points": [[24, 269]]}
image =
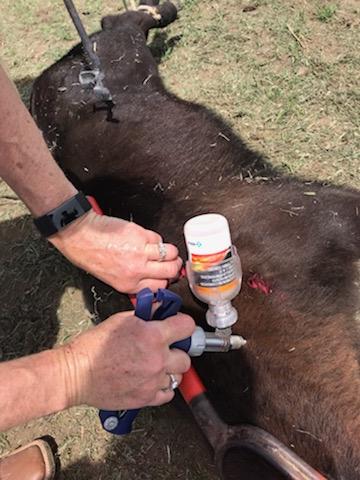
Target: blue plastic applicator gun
{"points": [[120, 422]]}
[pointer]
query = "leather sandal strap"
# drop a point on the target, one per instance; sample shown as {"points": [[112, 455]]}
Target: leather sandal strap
{"points": [[34, 461]]}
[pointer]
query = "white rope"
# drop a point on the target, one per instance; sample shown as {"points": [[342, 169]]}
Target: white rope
{"points": [[153, 11]]}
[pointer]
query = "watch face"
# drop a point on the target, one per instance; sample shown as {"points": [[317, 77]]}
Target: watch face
{"points": [[60, 217], [64, 217]]}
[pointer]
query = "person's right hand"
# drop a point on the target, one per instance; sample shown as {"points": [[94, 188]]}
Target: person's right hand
{"points": [[125, 362]]}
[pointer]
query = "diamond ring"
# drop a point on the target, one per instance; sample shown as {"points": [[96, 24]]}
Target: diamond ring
{"points": [[162, 251]]}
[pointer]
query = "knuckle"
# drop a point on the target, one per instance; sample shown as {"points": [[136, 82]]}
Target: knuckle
{"points": [[160, 336], [146, 396], [127, 270], [187, 322], [134, 269], [156, 238], [155, 364], [153, 285], [186, 364], [183, 362], [169, 396], [134, 228], [172, 269], [161, 284], [184, 324], [153, 334]]}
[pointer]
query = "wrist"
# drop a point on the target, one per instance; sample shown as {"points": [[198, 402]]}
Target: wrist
{"points": [[73, 367], [73, 232], [33, 387], [56, 394], [52, 196]]}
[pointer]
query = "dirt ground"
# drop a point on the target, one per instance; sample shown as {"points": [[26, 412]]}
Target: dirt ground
{"points": [[283, 74]]}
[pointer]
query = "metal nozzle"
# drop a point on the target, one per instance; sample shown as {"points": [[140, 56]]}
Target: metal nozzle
{"points": [[216, 343], [236, 342], [213, 342]]}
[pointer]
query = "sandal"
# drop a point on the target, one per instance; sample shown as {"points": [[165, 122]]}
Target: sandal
{"points": [[37, 460]]}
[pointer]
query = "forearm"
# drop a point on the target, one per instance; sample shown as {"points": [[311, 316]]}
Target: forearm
{"points": [[26, 164], [120, 253], [32, 387], [121, 363]]}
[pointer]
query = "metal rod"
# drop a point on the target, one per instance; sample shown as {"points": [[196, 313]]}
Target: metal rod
{"points": [[91, 57]]}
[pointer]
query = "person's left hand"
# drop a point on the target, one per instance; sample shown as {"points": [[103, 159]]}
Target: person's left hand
{"points": [[120, 253]]}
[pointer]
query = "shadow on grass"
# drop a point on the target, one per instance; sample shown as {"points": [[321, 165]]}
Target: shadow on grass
{"points": [[32, 279], [24, 86], [165, 443]]}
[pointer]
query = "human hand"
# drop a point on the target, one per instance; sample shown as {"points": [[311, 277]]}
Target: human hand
{"points": [[125, 362], [120, 253]]}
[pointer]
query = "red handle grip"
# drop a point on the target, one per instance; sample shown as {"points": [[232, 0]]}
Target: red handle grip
{"points": [[95, 206]]}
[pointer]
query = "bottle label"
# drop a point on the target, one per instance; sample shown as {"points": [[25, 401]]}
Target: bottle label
{"points": [[215, 270]]}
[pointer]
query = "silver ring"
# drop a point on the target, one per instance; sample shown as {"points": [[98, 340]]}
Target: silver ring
{"points": [[173, 383], [162, 251]]}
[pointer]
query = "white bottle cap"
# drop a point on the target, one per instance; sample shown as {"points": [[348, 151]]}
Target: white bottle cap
{"points": [[207, 234]]}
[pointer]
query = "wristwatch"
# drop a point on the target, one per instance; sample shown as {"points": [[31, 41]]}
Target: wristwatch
{"points": [[58, 218]]}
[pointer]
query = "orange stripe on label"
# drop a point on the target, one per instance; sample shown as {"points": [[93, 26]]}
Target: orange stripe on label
{"points": [[210, 258]]}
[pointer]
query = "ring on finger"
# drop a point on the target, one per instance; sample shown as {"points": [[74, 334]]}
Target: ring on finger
{"points": [[162, 251], [173, 383]]}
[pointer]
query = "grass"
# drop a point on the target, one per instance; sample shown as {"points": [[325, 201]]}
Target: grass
{"points": [[289, 96], [326, 12], [284, 75]]}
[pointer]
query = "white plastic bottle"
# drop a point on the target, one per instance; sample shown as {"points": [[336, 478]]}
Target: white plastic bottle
{"points": [[213, 269]]}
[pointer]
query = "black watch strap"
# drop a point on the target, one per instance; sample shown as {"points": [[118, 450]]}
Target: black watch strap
{"points": [[57, 219]]}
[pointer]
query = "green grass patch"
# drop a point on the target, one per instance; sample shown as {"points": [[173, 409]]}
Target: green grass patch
{"points": [[326, 12]]}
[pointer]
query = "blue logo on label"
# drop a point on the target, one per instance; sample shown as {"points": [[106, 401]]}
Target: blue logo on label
{"points": [[197, 244]]}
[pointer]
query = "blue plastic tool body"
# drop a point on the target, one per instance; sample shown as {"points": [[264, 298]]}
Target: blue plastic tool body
{"points": [[120, 422], [170, 305]]}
